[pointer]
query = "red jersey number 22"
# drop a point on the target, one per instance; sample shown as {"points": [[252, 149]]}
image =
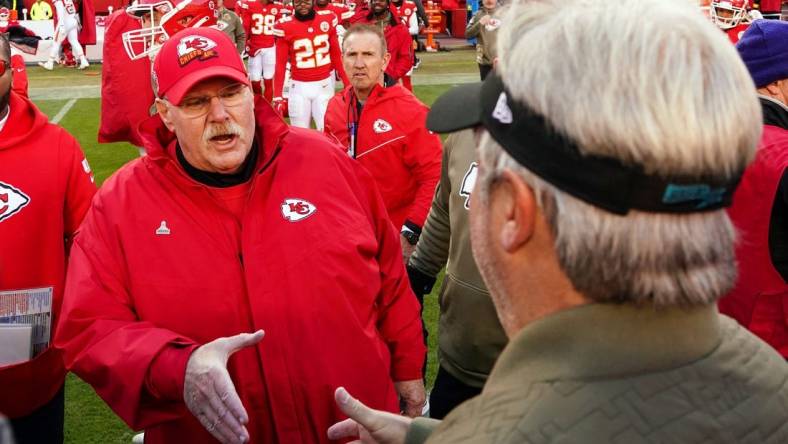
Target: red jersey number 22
{"points": [[311, 53]]}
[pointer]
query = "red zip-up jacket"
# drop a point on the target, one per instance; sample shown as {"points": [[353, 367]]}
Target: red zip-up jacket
{"points": [[45, 190], [759, 301], [160, 266], [393, 143]]}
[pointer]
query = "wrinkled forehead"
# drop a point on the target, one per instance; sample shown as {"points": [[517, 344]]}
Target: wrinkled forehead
{"points": [[209, 86], [361, 42]]}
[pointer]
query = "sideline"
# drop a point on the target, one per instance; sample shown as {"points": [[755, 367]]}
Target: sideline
{"points": [[63, 111]]}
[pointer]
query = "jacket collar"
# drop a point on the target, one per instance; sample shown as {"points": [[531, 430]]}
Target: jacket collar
{"points": [[379, 92], [775, 113], [606, 340]]}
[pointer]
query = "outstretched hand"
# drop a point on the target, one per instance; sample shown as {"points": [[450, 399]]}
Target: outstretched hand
{"points": [[368, 425], [209, 392]]}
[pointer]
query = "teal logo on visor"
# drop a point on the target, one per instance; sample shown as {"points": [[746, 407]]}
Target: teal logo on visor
{"points": [[706, 195]]}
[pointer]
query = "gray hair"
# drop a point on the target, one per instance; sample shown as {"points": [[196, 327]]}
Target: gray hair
{"points": [[676, 100], [365, 28]]}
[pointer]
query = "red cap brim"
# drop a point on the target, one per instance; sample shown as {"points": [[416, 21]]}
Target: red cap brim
{"points": [[175, 94]]}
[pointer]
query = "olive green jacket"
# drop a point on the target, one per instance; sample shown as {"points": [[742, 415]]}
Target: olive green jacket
{"points": [[486, 35], [604, 373], [470, 337], [230, 24]]}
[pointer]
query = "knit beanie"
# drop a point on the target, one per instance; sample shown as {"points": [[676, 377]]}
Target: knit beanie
{"points": [[764, 49]]}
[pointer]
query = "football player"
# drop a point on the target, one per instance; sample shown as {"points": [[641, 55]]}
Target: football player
{"points": [[342, 11], [259, 18], [308, 41], [406, 10], [733, 17], [186, 14], [138, 42], [18, 70], [67, 28]]}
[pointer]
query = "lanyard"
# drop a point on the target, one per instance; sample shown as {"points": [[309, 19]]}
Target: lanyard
{"points": [[352, 124]]}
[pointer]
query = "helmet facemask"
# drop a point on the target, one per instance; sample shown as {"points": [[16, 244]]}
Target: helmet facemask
{"points": [[142, 42], [728, 14]]}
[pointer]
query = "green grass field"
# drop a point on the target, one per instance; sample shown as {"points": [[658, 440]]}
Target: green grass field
{"points": [[88, 419]]}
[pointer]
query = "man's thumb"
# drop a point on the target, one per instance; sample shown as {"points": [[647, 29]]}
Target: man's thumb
{"points": [[239, 341], [355, 409]]}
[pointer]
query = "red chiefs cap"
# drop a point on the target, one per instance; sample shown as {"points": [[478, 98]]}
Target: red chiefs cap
{"points": [[191, 56]]}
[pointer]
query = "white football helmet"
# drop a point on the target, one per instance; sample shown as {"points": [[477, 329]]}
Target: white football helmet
{"points": [[140, 42], [186, 14], [728, 14]]}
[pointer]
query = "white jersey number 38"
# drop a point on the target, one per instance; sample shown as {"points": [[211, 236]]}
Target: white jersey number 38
{"points": [[263, 24]]}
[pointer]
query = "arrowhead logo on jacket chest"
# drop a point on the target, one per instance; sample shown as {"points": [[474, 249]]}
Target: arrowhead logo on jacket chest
{"points": [[381, 126], [12, 201], [295, 210]]}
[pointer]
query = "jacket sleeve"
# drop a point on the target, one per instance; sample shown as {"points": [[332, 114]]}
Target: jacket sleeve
{"points": [[103, 341], [19, 75], [79, 185], [336, 57], [282, 54], [334, 121], [474, 26], [432, 251], [399, 315], [423, 159], [240, 35], [401, 57]]}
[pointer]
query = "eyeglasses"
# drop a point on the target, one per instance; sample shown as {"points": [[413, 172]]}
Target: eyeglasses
{"points": [[3, 66], [229, 96]]}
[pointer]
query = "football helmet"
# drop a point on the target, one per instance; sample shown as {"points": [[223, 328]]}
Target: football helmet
{"points": [[186, 14], [728, 14], [5, 14]]}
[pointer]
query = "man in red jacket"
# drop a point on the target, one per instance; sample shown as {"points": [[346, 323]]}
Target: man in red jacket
{"points": [[398, 42], [384, 128], [45, 190], [235, 223], [760, 206]]}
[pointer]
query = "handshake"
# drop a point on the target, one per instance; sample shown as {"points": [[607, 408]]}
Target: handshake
{"points": [[210, 395]]}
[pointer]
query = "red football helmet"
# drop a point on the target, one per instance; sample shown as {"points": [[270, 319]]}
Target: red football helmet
{"points": [[728, 14], [186, 14], [5, 14]]}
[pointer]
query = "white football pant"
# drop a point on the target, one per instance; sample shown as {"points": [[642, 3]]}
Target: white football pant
{"points": [[67, 29], [309, 100], [262, 64]]}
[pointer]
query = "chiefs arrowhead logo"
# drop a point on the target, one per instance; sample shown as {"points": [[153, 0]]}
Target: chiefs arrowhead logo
{"points": [[195, 47], [12, 201], [381, 126], [295, 210]]}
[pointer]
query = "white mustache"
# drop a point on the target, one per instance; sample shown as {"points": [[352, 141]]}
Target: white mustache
{"points": [[221, 129]]}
